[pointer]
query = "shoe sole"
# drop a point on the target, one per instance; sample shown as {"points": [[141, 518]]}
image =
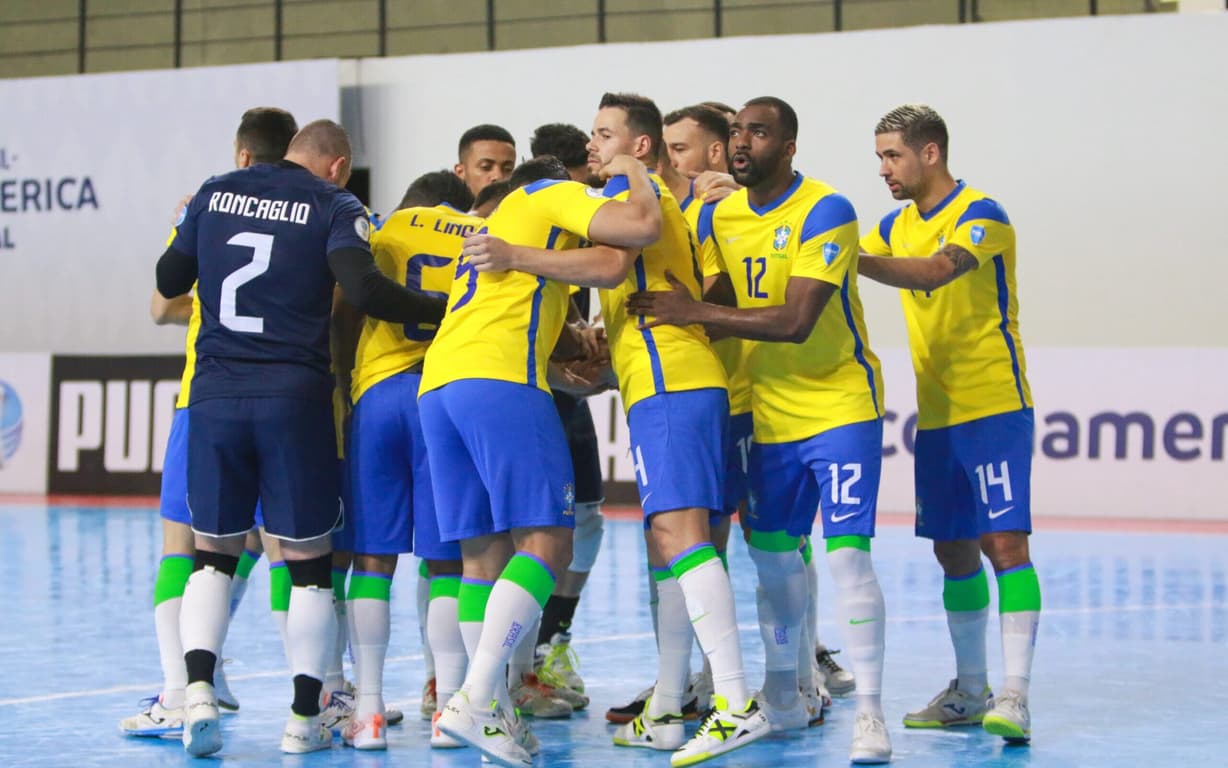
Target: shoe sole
{"points": [[940, 724], [205, 738], [681, 762], [1000, 726], [659, 746], [156, 733], [487, 756], [229, 706], [869, 759], [294, 748]]}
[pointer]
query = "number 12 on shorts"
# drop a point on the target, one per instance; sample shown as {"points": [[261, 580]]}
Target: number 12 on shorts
{"points": [[987, 477], [842, 493]]}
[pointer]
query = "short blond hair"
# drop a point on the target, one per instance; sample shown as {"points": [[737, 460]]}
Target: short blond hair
{"points": [[918, 125]]}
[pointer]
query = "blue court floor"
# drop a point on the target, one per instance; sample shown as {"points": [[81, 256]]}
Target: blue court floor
{"points": [[1131, 663]]}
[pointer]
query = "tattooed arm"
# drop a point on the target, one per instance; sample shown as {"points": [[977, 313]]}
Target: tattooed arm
{"points": [[918, 274]]}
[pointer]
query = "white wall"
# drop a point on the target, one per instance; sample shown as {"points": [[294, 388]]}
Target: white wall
{"points": [[1100, 136], [79, 280]]}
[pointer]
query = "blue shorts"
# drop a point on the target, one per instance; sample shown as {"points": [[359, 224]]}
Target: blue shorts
{"points": [[835, 472], [392, 507], [173, 502], [975, 478], [280, 450], [498, 458], [737, 460], [678, 442]]}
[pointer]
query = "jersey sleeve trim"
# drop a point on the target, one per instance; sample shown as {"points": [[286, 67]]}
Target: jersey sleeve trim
{"points": [[703, 227], [987, 209], [828, 213], [887, 224]]}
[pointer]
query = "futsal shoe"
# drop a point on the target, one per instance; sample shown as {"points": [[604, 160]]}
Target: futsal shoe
{"points": [[429, 704], [838, 680], [154, 721], [486, 729], [225, 699], [724, 730], [871, 744], [628, 712], [534, 698], [817, 702], [366, 733], [557, 664], [202, 731], [1010, 718], [664, 732], [795, 717], [305, 734], [439, 739], [393, 716], [952, 707], [337, 711]]}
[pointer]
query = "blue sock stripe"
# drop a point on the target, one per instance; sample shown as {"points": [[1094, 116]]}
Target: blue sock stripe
{"points": [[973, 575], [373, 575], [251, 554], [690, 550], [1015, 569], [277, 563], [479, 582], [537, 560], [185, 557]]}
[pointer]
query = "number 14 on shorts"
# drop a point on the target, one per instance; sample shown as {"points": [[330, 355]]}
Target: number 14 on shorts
{"points": [[989, 476]]}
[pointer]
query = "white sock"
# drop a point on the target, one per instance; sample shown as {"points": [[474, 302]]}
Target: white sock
{"points": [[859, 601], [781, 598], [967, 630], [521, 662], [170, 652], [422, 596], [709, 603], [311, 631], [673, 650], [471, 634], [279, 618], [805, 656], [334, 676], [447, 646], [812, 605], [1018, 645], [205, 612], [510, 613], [370, 629], [654, 603]]}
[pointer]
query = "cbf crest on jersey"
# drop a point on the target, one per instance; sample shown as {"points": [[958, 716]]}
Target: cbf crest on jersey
{"points": [[781, 239]]}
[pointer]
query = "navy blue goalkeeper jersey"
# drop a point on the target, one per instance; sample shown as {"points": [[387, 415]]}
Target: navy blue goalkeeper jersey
{"points": [[261, 236]]}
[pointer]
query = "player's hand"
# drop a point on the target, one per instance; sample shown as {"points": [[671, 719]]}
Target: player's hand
{"points": [[673, 307], [179, 210], [621, 165], [713, 186], [592, 341], [488, 253], [581, 378]]}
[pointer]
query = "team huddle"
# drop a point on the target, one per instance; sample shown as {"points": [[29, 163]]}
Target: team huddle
{"points": [[358, 388]]}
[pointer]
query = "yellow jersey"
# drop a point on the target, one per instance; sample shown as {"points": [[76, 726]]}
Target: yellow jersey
{"points": [[731, 351], [416, 247], [831, 379], [189, 351], [964, 336], [667, 358], [504, 325]]}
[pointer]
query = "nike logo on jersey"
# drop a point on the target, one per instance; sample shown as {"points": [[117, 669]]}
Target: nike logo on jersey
{"points": [[994, 515], [841, 518], [732, 239]]}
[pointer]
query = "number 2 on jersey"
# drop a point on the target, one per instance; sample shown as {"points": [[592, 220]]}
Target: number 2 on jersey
{"points": [[262, 251]]}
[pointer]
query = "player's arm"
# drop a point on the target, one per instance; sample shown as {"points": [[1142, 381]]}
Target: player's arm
{"points": [[176, 272], [792, 321], [174, 311], [601, 266], [345, 329], [919, 274], [634, 222], [372, 293]]}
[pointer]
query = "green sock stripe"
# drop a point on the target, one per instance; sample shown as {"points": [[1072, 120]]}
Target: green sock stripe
{"points": [[848, 542], [969, 593], [471, 599], [423, 571], [339, 584], [724, 556], [1018, 590], [531, 574], [370, 586], [247, 561], [445, 586], [690, 559], [173, 573], [661, 574], [807, 552], [774, 541], [279, 587]]}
